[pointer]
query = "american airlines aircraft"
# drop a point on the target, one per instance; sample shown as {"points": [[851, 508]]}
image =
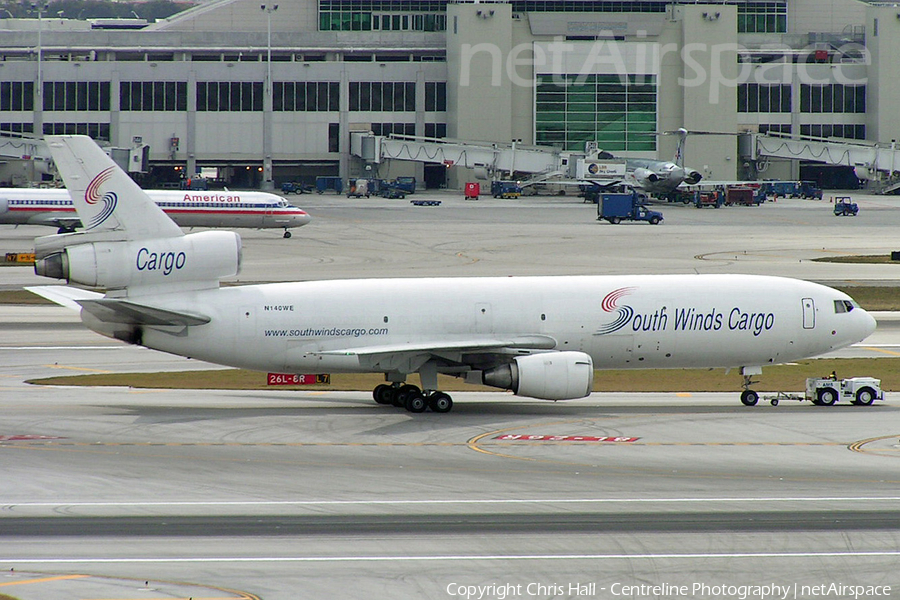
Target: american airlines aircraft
{"points": [[662, 176], [256, 210], [541, 337]]}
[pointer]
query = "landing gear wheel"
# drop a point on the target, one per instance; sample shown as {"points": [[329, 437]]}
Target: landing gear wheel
{"points": [[383, 394], [404, 392], [827, 397], [749, 398], [440, 402], [287, 234], [415, 402], [865, 397]]}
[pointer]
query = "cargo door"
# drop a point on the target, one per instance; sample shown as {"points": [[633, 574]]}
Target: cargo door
{"points": [[809, 313]]}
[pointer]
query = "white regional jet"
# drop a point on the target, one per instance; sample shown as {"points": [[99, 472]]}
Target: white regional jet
{"points": [[256, 210], [540, 337]]}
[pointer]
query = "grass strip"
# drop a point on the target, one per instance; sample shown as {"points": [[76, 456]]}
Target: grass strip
{"points": [[790, 377]]}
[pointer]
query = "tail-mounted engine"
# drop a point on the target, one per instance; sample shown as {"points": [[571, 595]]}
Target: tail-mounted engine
{"points": [[645, 175], [197, 257], [548, 376]]}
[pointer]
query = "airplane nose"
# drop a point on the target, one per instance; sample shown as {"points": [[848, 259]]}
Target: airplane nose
{"points": [[870, 324]]}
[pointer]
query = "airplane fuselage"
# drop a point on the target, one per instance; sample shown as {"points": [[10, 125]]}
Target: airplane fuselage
{"points": [[188, 208], [677, 321]]}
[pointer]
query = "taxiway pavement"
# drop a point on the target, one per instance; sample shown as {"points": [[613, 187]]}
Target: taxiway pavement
{"points": [[283, 495]]}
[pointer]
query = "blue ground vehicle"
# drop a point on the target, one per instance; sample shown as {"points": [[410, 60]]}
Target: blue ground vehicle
{"points": [[616, 208], [505, 189], [406, 184], [844, 207], [335, 184]]}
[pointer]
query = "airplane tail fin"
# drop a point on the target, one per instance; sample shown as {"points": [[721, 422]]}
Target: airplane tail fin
{"points": [[105, 197], [678, 159], [130, 246]]}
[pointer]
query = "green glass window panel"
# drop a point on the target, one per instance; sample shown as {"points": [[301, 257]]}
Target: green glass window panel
{"points": [[551, 127], [580, 136], [581, 96], [642, 117], [641, 127], [611, 127], [609, 79], [642, 146], [552, 106], [609, 116], [547, 88], [549, 97], [582, 107], [584, 117], [544, 117]]}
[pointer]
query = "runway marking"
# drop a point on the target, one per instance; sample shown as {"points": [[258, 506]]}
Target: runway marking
{"points": [[882, 350], [83, 369], [42, 580], [860, 446], [461, 557]]}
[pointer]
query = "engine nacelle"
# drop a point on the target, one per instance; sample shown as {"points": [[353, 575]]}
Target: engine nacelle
{"points": [[204, 256], [548, 376], [645, 175], [693, 178]]}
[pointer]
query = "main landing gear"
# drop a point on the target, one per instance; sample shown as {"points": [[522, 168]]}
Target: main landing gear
{"points": [[412, 398]]}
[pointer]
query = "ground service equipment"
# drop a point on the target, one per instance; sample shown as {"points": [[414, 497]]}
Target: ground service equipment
{"points": [[844, 207], [625, 207]]}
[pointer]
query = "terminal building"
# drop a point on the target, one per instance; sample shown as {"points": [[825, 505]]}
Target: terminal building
{"points": [[268, 92]]}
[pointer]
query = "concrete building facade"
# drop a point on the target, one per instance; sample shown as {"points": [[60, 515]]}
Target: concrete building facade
{"points": [[269, 93]]}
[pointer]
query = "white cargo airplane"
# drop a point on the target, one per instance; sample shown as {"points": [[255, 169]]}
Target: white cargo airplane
{"points": [[256, 210], [541, 337]]}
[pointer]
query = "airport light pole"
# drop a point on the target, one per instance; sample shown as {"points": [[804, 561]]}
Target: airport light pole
{"points": [[40, 5], [268, 95]]}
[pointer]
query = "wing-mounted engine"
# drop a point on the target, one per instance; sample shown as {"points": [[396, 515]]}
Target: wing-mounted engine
{"points": [[548, 376], [643, 175], [115, 264]]}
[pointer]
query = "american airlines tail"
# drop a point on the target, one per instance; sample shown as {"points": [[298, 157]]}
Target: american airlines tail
{"points": [[105, 194]]}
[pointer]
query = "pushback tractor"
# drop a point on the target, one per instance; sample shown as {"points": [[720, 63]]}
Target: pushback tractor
{"points": [[826, 391]]}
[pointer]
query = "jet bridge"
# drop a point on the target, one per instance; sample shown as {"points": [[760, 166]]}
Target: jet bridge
{"points": [[871, 161], [24, 157], [485, 158], [489, 160]]}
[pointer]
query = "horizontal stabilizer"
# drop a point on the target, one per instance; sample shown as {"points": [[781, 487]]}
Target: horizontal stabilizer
{"points": [[64, 295], [528, 342], [110, 310]]}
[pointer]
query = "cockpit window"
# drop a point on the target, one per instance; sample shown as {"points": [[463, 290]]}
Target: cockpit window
{"points": [[843, 306]]}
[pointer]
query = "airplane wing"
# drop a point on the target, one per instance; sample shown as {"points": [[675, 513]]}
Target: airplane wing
{"points": [[64, 295], [111, 310], [409, 357], [536, 342]]}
